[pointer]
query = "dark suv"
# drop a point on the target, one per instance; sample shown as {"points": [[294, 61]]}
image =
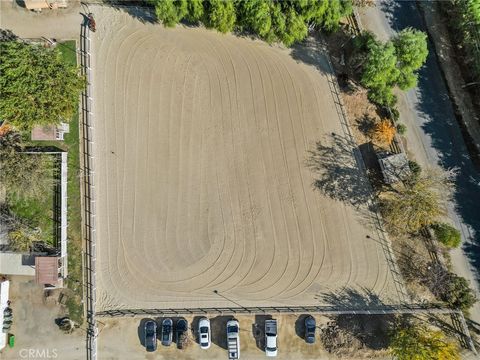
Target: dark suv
{"points": [[167, 332], [150, 335], [182, 328], [310, 327]]}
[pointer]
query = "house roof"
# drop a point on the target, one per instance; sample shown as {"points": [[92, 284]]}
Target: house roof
{"points": [[46, 270]]}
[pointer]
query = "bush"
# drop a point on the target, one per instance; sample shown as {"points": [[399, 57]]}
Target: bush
{"points": [[415, 168], [401, 129], [447, 234], [383, 132], [458, 294], [420, 343]]}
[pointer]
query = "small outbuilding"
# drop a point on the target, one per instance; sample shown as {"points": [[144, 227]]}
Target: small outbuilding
{"points": [[49, 132], [394, 167], [46, 271], [39, 5]]}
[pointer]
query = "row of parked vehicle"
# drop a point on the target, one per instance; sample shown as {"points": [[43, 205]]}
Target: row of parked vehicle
{"points": [[204, 335]]}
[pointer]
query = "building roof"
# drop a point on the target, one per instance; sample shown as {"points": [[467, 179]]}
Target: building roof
{"points": [[394, 167], [46, 270], [47, 132]]}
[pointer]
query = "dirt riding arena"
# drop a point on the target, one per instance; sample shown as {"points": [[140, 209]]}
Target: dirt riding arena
{"points": [[202, 181]]}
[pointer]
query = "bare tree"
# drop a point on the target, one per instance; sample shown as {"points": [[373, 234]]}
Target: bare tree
{"points": [[418, 201]]}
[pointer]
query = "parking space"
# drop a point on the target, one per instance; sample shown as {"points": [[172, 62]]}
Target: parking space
{"points": [[123, 338]]}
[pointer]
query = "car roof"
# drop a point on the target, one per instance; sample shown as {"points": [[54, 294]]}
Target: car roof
{"points": [[271, 341], [204, 322], [150, 324]]}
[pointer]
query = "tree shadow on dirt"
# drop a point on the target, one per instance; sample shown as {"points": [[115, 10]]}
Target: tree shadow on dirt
{"points": [[300, 326], [141, 330], [311, 51], [335, 166], [138, 9], [218, 327], [356, 331], [258, 330]]}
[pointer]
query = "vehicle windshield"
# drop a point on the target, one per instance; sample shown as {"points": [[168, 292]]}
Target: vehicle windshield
{"points": [[232, 329], [204, 329], [271, 349], [166, 336]]}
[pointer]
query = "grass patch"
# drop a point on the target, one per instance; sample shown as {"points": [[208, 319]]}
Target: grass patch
{"points": [[74, 282], [36, 212]]}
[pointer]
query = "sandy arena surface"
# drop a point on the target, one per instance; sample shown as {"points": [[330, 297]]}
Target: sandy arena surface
{"points": [[201, 148]]}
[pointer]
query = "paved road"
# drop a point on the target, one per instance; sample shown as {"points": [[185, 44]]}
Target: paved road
{"points": [[434, 135]]}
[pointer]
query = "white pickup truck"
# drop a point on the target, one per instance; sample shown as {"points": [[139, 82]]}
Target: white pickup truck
{"points": [[233, 339], [271, 337]]}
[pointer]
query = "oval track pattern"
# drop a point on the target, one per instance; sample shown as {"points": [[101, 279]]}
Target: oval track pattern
{"points": [[200, 144]]}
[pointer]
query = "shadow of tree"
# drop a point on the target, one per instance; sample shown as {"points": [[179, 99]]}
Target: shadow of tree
{"points": [[141, 330], [300, 326], [336, 171], [138, 9], [311, 51], [258, 329], [219, 330], [363, 331], [366, 124]]}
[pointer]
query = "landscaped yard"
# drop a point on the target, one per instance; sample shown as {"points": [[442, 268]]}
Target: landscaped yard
{"points": [[74, 281], [37, 212]]}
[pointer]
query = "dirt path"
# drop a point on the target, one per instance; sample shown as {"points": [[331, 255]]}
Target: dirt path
{"points": [[201, 145], [58, 24]]}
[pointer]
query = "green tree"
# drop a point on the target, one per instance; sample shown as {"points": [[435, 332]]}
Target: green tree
{"points": [[419, 343], [36, 86], [286, 21], [295, 28], [195, 11], [412, 51], [380, 72], [279, 24], [457, 293], [254, 15], [220, 15], [335, 11], [170, 12], [447, 234]]}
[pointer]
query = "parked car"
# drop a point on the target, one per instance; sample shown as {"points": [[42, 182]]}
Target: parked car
{"points": [[310, 327], [167, 332], [150, 335], [182, 328], [271, 348], [233, 339], [204, 333]]}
